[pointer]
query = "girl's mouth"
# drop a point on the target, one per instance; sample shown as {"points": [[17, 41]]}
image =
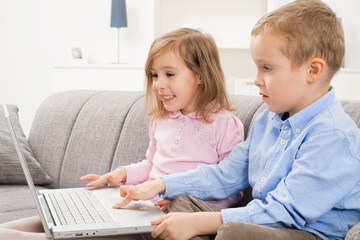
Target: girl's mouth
{"points": [[168, 97]]}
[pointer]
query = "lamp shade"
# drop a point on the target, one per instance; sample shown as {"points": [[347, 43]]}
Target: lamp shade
{"points": [[118, 14]]}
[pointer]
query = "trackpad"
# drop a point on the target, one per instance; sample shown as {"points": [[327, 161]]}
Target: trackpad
{"points": [[136, 205]]}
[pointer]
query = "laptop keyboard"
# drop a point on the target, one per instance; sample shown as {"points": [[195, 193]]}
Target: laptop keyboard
{"points": [[80, 207]]}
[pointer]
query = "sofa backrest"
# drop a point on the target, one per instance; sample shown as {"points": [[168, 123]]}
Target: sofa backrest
{"points": [[79, 132]]}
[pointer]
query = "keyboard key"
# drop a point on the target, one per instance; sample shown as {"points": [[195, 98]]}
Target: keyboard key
{"points": [[79, 208]]}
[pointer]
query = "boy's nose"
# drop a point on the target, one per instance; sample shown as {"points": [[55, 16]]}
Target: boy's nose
{"points": [[258, 81]]}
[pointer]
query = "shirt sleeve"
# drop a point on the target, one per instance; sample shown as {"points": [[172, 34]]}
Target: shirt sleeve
{"points": [[292, 203], [217, 181], [309, 190], [139, 172], [229, 131]]}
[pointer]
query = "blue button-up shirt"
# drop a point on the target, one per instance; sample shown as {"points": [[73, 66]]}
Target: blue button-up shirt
{"points": [[304, 171]]}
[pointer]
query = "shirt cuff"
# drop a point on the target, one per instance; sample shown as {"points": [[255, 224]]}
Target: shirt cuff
{"points": [[172, 187], [240, 214], [131, 176]]}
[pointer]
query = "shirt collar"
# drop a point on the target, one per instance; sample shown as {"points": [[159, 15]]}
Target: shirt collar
{"points": [[299, 121], [192, 115], [177, 114]]}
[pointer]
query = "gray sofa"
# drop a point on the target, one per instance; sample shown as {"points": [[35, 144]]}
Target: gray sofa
{"points": [[80, 132]]}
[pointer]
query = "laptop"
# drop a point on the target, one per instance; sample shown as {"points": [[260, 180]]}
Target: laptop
{"points": [[85, 212]]}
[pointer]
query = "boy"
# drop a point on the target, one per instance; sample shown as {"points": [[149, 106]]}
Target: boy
{"points": [[302, 156]]}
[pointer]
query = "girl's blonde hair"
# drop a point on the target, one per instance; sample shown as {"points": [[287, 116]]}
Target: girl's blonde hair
{"points": [[310, 29], [201, 56]]}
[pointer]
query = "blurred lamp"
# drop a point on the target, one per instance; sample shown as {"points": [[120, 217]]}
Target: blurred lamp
{"points": [[118, 20]]}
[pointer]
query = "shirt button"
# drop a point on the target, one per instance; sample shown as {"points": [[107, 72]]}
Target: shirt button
{"points": [[180, 129], [297, 130], [177, 141], [263, 179], [282, 142]]}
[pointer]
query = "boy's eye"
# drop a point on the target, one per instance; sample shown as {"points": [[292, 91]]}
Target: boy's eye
{"points": [[266, 68]]}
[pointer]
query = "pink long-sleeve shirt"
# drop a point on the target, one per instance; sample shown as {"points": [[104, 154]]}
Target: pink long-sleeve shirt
{"points": [[182, 142]]}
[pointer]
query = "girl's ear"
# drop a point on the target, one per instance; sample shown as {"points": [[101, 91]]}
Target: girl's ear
{"points": [[200, 79], [316, 68]]}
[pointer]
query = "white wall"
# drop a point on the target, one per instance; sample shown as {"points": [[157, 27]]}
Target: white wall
{"points": [[35, 35]]}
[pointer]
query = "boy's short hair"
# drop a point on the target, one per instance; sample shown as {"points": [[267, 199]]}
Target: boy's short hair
{"points": [[310, 29]]}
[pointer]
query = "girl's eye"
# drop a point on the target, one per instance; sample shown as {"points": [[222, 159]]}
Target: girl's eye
{"points": [[170, 74], [154, 75], [266, 68]]}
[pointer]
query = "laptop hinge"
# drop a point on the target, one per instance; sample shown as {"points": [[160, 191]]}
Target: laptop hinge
{"points": [[49, 221]]}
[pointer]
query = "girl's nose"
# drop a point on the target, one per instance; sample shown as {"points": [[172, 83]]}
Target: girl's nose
{"points": [[160, 83]]}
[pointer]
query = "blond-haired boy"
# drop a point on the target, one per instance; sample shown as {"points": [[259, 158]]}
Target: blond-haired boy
{"points": [[302, 156]]}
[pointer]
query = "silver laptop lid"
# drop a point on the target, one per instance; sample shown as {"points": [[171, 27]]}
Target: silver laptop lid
{"points": [[26, 170]]}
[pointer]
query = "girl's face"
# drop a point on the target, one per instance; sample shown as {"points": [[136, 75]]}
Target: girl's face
{"points": [[174, 83], [282, 88]]}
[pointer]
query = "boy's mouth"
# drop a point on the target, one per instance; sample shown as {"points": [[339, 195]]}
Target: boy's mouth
{"points": [[263, 95]]}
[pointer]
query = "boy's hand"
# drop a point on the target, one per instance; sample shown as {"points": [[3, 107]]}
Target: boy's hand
{"points": [[114, 177], [163, 204], [178, 226], [143, 191]]}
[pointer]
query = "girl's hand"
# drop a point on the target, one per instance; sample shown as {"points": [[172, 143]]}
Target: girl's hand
{"points": [[179, 226], [114, 177], [163, 204], [143, 191]]}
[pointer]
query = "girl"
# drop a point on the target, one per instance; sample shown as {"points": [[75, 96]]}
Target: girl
{"points": [[191, 120]]}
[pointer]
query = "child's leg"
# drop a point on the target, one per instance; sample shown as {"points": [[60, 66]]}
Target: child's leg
{"points": [[27, 228], [238, 231], [31, 229], [186, 203], [190, 204], [30, 224]]}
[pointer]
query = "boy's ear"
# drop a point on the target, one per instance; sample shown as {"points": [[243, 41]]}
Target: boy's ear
{"points": [[316, 68]]}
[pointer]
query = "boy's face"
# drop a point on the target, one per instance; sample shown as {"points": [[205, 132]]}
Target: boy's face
{"points": [[282, 88]]}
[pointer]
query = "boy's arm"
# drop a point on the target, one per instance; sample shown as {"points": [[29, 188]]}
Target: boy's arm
{"points": [[321, 177], [205, 182], [144, 191], [209, 182], [322, 174], [186, 225], [172, 225]]}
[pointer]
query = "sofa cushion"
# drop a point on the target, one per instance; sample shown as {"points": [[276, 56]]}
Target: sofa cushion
{"points": [[16, 202], [354, 233], [95, 135], [52, 127], [10, 167], [246, 107], [353, 109], [134, 138]]}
